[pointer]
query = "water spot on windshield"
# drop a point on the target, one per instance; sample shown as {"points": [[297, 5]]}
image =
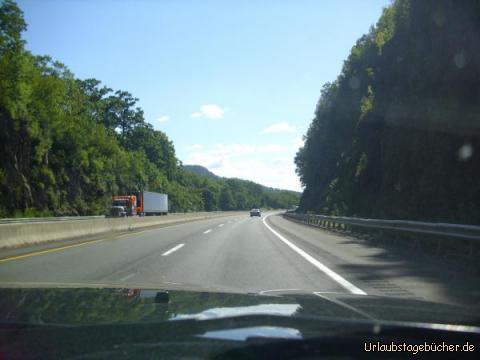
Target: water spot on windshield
{"points": [[459, 60], [354, 82], [439, 18], [465, 152]]}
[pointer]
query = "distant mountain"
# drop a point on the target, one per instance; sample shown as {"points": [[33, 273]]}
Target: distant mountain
{"points": [[236, 194], [203, 171], [200, 170]]}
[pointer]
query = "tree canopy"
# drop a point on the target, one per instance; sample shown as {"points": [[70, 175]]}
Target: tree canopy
{"points": [[67, 145], [396, 135]]}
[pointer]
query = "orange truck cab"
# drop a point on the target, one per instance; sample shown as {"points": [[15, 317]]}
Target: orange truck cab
{"points": [[123, 205]]}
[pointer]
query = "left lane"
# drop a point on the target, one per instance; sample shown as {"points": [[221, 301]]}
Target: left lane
{"points": [[114, 259]]}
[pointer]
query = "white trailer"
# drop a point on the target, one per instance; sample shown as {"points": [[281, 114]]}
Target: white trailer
{"points": [[151, 203]]}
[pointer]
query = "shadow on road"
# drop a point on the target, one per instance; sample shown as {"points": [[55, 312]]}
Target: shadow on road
{"points": [[388, 267]]}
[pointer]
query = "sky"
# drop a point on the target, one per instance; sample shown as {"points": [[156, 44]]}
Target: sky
{"points": [[233, 84]]}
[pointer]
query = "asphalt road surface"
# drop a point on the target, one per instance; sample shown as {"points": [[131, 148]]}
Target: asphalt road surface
{"points": [[241, 254]]}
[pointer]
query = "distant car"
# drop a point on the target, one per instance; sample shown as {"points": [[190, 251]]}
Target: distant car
{"points": [[255, 212]]}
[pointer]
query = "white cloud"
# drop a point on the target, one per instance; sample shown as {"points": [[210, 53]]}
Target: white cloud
{"points": [[280, 127], [209, 111], [212, 111], [163, 118], [270, 165], [298, 143]]}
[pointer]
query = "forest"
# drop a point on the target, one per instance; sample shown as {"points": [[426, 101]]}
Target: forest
{"points": [[68, 144], [396, 135]]}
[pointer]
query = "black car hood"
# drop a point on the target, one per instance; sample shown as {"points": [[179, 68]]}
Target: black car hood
{"points": [[91, 305], [133, 323]]}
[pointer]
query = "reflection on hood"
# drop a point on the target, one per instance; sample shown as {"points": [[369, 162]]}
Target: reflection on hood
{"points": [[262, 309], [242, 334], [87, 306]]}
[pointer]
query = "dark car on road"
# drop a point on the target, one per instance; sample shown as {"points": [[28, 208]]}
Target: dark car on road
{"points": [[255, 212]]}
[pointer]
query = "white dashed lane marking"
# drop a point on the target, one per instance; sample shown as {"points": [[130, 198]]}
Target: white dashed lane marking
{"points": [[166, 253]]}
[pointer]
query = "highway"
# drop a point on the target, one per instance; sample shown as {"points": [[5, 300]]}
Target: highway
{"points": [[240, 254]]}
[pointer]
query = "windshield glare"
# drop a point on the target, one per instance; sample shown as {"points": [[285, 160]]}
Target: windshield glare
{"points": [[324, 150]]}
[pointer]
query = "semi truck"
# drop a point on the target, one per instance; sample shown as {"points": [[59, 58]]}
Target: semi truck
{"points": [[141, 203]]}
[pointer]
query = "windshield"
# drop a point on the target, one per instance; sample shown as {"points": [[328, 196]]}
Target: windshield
{"points": [[314, 148], [119, 203]]}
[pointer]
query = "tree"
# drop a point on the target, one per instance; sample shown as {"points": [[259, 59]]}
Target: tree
{"points": [[12, 24], [67, 145], [226, 199], [394, 123]]}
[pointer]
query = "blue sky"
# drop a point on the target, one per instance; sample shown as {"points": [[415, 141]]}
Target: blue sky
{"points": [[232, 83]]}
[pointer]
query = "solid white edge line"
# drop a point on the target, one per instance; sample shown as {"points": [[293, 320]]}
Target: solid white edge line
{"points": [[166, 253], [207, 231], [327, 271]]}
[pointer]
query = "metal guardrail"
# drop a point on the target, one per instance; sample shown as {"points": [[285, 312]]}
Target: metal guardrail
{"points": [[470, 232]]}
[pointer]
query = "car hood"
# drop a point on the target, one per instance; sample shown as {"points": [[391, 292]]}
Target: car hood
{"points": [[52, 323], [92, 305]]}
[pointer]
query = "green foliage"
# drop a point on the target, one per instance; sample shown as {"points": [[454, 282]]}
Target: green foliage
{"points": [[226, 199], [67, 145], [361, 165], [11, 26], [388, 134], [216, 193], [366, 104]]}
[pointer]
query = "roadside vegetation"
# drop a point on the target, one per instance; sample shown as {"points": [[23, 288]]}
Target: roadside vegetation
{"points": [[396, 135], [67, 145]]}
